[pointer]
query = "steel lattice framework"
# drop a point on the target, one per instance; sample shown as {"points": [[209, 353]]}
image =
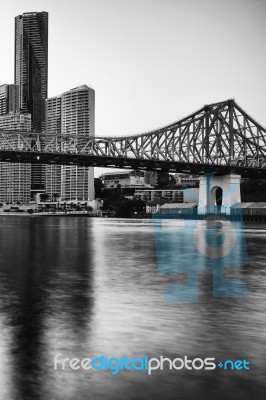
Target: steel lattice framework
{"points": [[219, 138]]}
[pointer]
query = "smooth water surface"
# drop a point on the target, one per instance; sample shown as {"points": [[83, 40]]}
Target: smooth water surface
{"points": [[85, 287]]}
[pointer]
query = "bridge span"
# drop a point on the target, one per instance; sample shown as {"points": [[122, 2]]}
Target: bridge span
{"points": [[219, 138]]}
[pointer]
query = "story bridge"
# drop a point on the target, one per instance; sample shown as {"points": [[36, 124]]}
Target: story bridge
{"points": [[219, 139]]}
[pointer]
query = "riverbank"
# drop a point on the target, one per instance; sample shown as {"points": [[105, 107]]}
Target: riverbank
{"points": [[244, 218], [54, 214], [198, 217]]}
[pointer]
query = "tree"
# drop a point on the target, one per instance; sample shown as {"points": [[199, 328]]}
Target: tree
{"points": [[55, 196], [44, 196], [119, 188], [253, 190], [98, 187], [111, 200], [125, 208]]}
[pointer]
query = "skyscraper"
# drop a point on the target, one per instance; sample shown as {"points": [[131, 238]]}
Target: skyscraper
{"points": [[31, 74], [71, 113], [31, 64]]}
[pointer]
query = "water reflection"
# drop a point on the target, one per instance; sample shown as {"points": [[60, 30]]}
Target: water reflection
{"points": [[189, 247], [47, 297], [84, 287]]}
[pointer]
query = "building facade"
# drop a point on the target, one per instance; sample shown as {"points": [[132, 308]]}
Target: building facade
{"points": [[185, 180], [156, 194], [9, 98], [31, 74], [71, 113], [129, 179], [53, 173], [15, 178]]}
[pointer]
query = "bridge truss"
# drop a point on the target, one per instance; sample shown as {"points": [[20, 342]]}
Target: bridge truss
{"points": [[219, 138]]}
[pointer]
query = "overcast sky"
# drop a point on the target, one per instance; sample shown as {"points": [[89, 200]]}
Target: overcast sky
{"points": [[150, 62]]}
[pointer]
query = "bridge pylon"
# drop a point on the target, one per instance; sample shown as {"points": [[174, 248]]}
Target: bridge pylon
{"points": [[218, 193]]}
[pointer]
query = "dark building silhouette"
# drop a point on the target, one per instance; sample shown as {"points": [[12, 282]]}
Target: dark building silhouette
{"points": [[9, 96], [31, 73]]}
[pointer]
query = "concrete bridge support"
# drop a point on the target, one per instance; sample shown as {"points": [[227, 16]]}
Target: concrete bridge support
{"points": [[218, 193]]}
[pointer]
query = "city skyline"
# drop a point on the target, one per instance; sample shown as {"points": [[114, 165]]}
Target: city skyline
{"points": [[28, 97], [138, 89], [152, 62]]}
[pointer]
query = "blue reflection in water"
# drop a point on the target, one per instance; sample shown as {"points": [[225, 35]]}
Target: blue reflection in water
{"points": [[186, 246]]}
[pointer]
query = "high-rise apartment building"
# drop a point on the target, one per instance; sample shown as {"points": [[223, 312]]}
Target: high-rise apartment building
{"points": [[15, 178], [53, 125], [31, 74], [71, 113]]}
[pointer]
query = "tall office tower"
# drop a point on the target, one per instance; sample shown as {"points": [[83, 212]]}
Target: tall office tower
{"points": [[71, 113], [31, 73], [9, 98], [15, 178]]}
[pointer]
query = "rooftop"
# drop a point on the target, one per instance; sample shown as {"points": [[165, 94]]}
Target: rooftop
{"points": [[250, 205], [178, 206], [81, 87]]}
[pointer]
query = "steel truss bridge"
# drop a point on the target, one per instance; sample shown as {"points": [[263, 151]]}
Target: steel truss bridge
{"points": [[218, 138]]}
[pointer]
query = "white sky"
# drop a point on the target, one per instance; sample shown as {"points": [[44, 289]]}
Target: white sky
{"points": [[150, 62]]}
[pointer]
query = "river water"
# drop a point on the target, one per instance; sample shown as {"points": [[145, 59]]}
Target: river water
{"points": [[85, 287]]}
